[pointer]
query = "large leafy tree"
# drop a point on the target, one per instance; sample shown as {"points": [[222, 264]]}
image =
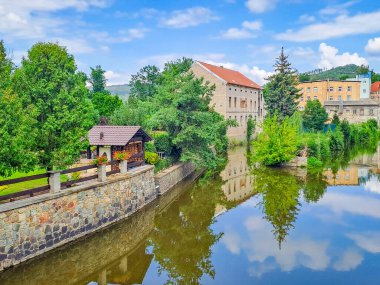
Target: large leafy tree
{"points": [[144, 83], [101, 98], [49, 83], [314, 116], [281, 92], [182, 103], [6, 68]]}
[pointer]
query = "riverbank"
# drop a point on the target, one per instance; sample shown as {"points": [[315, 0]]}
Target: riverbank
{"points": [[33, 226]]}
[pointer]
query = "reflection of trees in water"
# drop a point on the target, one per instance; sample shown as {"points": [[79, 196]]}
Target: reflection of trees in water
{"points": [[281, 191], [182, 237]]}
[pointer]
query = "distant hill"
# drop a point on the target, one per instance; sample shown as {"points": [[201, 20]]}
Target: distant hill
{"points": [[122, 90], [340, 72]]}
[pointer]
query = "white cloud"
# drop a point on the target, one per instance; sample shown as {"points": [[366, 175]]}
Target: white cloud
{"points": [[368, 241], [75, 46], [32, 19], [245, 32], [373, 46], [115, 78], [260, 6], [305, 18], [343, 25], [122, 36], [350, 259], [189, 18], [337, 9], [330, 57]]}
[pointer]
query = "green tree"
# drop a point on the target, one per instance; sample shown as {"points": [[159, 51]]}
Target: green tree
{"points": [[98, 79], [251, 125], [144, 83], [314, 116], [6, 68], [335, 119], [363, 69], [304, 77], [375, 76], [103, 101], [277, 143], [281, 93], [49, 83], [182, 102]]}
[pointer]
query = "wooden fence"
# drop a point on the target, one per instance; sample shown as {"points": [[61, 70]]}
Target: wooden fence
{"points": [[115, 168]]}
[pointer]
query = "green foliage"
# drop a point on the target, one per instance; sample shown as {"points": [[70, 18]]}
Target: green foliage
{"points": [[314, 163], [314, 116], [281, 93], [163, 164], [163, 142], [336, 140], [375, 76], [149, 146], [49, 83], [144, 83], [151, 157], [276, 144], [75, 175], [251, 125], [336, 73], [335, 120], [304, 77], [105, 103], [98, 80], [296, 121], [6, 68], [345, 129]]}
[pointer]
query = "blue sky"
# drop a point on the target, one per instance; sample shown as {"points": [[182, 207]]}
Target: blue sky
{"points": [[123, 36]]}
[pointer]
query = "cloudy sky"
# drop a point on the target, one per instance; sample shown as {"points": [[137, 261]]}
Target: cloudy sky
{"points": [[124, 35]]}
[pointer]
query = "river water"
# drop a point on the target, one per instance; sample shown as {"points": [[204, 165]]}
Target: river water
{"points": [[269, 226]]}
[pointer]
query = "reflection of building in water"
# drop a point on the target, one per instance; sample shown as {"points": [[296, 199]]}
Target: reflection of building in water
{"points": [[238, 185], [130, 269], [348, 176]]}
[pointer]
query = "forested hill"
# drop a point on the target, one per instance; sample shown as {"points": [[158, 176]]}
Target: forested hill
{"points": [[340, 72], [122, 90]]}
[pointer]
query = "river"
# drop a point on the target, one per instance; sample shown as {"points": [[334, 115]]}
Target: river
{"points": [[269, 226]]}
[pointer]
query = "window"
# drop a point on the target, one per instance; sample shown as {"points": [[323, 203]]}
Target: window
{"points": [[301, 99], [229, 102], [315, 97], [235, 100], [243, 103], [241, 119], [235, 89], [308, 90], [349, 88], [371, 112], [364, 90], [331, 89], [250, 105], [348, 97], [361, 112], [340, 88], [230, 88], [354, 111], [331, 98], [301, 90], [241, 90], [347, 110], [339, 98], [229, 117], [315, 89], [255, 105], [302, 108], [308, 98]]}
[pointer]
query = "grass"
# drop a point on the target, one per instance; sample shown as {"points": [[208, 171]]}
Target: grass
{"points": [[13, 188]]}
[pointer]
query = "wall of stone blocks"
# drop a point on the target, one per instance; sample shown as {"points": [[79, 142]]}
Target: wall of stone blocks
{"points": [[36, 225]]}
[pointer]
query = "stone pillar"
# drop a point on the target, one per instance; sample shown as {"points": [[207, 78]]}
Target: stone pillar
{"points": [[54, 181], [102, 173], [123, 166]]}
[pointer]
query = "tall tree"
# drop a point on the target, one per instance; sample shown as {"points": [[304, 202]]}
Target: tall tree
{"points": [[144, 83], [101, 98], [314, 116], [281, 92], [49, 83], [6, 68]]}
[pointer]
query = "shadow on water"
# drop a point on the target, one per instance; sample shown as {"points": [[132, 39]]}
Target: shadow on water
{"points": [[172, 239]]}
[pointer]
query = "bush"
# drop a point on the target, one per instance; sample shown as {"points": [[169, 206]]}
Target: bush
{"points": [[251, 125], [151, 157], [149, 146], [277, 143], [163, 143], [314, 163], [315, 116], [75, 175], [336, 141], [162, 164]]}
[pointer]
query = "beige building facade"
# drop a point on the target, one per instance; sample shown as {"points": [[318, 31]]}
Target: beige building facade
{"points": [[329, 90], [235, 97]]}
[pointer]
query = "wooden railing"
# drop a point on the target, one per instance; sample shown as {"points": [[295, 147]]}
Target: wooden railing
{"points": [[53, 179]]}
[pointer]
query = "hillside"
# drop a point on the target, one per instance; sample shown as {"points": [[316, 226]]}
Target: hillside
{"points": [[122, 90], [339, 72]]}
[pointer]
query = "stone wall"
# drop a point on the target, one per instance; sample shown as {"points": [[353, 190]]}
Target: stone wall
{"points": [[36, 225], [167, 178]]}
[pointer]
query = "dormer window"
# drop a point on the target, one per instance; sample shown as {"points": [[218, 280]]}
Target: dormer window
{"points": [[101, 135]]}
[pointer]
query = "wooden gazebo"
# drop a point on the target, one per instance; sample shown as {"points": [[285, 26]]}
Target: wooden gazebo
{"points": [[109, 139]]}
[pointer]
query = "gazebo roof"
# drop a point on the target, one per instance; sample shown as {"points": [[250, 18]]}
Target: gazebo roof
{"points": [[115, 135]]}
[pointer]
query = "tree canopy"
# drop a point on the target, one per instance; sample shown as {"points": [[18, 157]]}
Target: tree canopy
{"points": [[314, 116], [281, 93], [144, 83]]}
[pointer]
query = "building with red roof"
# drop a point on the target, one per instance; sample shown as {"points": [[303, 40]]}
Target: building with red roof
{"points": [[375, 91], [235, 97]]}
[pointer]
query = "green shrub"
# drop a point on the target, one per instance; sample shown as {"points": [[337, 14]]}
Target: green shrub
{"points": [[314, 163], [251, 125], [162, 164], [336, 141], [75, 175], [163, 143], [151, 157], [149, 146]]}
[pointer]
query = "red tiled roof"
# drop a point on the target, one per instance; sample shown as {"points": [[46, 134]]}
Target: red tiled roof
{"points": [[114, 135], [231, 76], [375, 87]]}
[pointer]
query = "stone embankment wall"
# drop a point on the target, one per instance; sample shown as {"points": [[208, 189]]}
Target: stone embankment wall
{"points": [[168, 178], [36, 225]]}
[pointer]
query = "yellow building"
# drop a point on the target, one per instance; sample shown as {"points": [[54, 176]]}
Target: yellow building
{"points": [[329, 90]]}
